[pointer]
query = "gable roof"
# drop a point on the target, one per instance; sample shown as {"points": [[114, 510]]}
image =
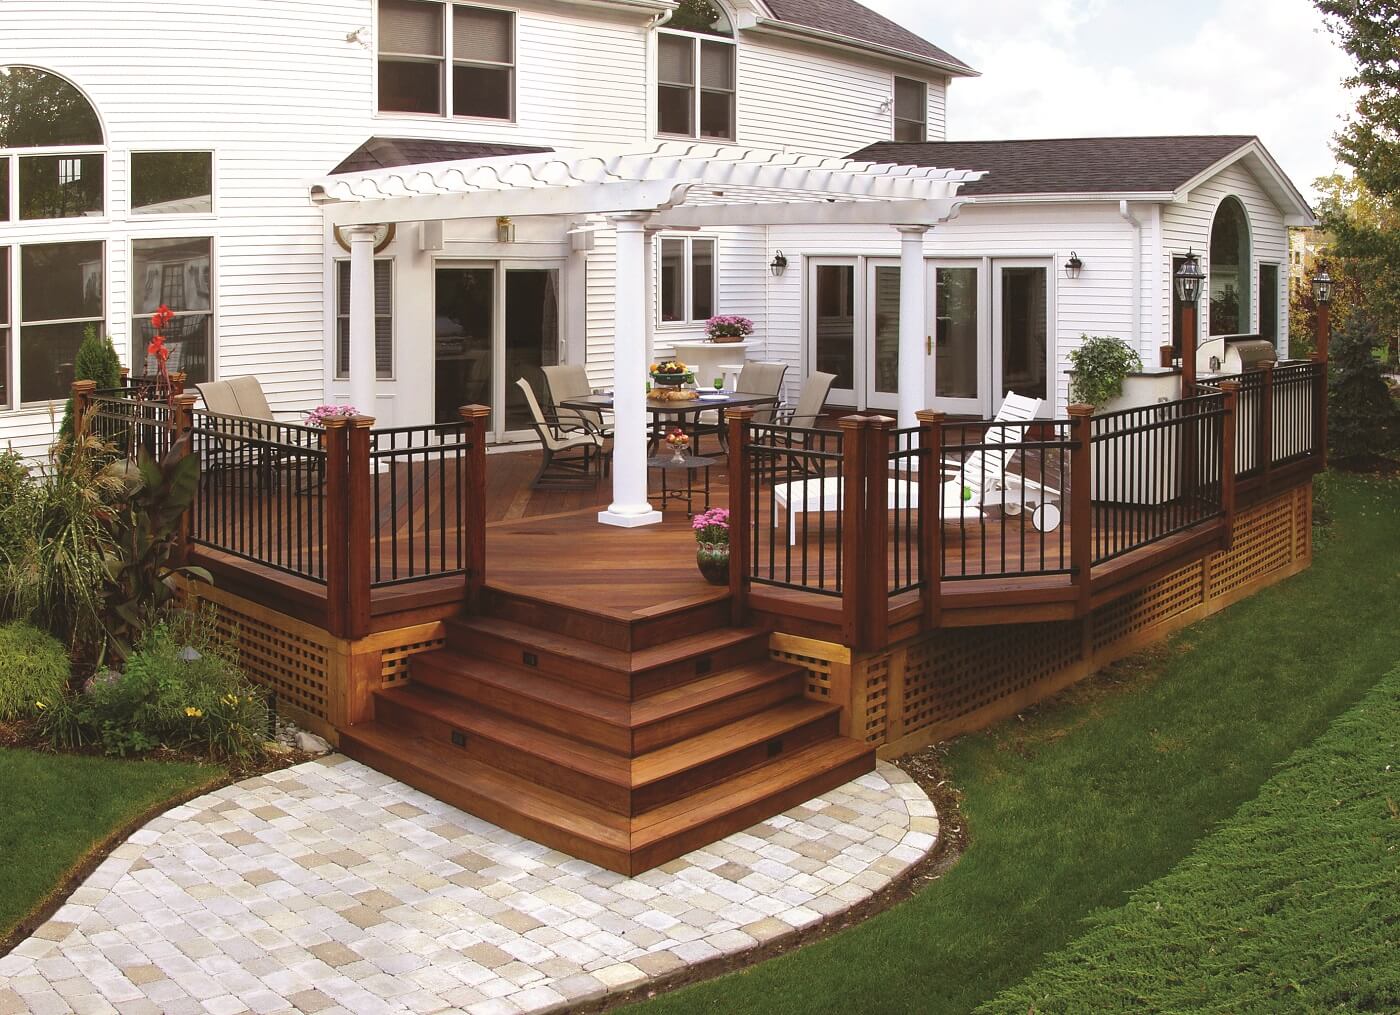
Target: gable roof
{"points": [[856, 22], [393, 152]]}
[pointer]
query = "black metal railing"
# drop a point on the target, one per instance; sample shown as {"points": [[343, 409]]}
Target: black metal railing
{"points": [[796, 489], [419, 512], [262, 492], [130, 423], [1156, 472], [1294, 409], [1004, 501], [902, 497]]}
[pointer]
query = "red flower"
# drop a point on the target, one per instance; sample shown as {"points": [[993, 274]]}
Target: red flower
{"points": [[157, 348], [163, 316]]}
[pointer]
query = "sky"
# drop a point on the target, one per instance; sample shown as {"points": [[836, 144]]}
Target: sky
{"points": [[1080, 68]]}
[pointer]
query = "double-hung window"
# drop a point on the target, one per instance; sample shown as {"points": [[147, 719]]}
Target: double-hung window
{"points": [[383, 319], [4, 327], [176, 273], [62, 293], [696, 76], [446, 59], [687, 279], [910, 110]]}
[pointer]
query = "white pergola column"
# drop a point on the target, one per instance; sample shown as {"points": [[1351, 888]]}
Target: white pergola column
{"points": [[362, 353], [913, 315], [630, 507]]}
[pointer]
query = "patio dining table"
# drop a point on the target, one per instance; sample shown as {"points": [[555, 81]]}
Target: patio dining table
{"points": [[709, 401]]}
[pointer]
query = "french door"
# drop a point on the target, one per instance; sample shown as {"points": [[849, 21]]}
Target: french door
{"points": [[960, 364], [494, 323], [882, 335], [835, 314], [1021, 314]]}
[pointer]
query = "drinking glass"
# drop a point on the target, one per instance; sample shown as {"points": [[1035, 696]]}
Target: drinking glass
{"points": [[719, 383]]}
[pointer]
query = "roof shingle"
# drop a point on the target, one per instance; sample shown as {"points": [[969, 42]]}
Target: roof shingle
{"points": [[393, 152], [1089, 165], [858, 22]]}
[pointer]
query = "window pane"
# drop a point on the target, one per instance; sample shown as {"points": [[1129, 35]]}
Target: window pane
{"points": [[675, 107], [172, 183], [717, 65], [717, 115], [4, 367], [1229, 270], [60, 186], [836, 323], [410, 86], [383, 318], [910, 100], [702, 280], [4, 286], [700, 16], [956, 365], [671, 289], [909, 132], [482, 91], [170, 272], [60, 281], [38, 109], [4, 326], [677, 60], [4, 189], [410, 27], [1268, 302], [1025, 327], [482, 36], [532, 337], [887, 329], [46, 360], [187, 338]]}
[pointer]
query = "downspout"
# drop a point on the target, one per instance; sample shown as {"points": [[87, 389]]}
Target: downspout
{"points": [[1131, 219]]}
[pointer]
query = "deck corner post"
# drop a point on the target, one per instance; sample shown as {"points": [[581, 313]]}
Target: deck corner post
{"points": [[337, 539], [472, 492], [930, 516], [1228, 426], [358, 488], [1264, 439], [855, 545], [1081, 505], [741, 486], [876, 594], [82, 405], [182, 423]]}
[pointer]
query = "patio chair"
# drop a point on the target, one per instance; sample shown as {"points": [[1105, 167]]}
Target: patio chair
{"points": [[558, 440], [759, 378], [570, 380], [242, 397], [807, 412]]}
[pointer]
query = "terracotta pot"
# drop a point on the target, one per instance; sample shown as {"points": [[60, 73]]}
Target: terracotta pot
{"points": [[726, 339], [713, 560]]}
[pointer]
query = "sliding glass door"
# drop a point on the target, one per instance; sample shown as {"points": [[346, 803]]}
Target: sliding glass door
{"points": [[960, 363], [833, 315], [1021, 332], [882, 329]]}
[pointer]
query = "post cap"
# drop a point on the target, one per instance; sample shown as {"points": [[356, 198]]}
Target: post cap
{"points": [[474, 411], [741, 412], [853, 422], [1080, 409], [84, 387], [929, 416], [362, 422], [335, 422]]}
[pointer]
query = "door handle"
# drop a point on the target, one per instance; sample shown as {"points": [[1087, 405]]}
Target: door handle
{"points": [[928, 342]]}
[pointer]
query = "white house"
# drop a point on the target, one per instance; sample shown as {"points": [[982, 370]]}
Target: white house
{"points": [[538, 181]]}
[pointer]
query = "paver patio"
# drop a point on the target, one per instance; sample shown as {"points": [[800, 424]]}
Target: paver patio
{"points": [[329, 887]]}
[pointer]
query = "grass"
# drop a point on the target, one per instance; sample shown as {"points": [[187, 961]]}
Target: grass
{"points": [[59, 808], [1101, 793], [1292, 903]]}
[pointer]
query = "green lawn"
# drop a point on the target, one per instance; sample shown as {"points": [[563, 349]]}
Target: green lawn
{"points": [[57, 808], [1292, 903], [1101, 794]]}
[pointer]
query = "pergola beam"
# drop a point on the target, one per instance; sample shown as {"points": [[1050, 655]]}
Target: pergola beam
{"points": [[814, 211]]}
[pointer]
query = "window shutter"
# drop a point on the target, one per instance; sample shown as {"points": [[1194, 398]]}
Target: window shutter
{"points": [[482, 36], [411, 27]]}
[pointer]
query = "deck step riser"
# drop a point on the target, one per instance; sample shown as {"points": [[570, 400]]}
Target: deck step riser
{"points": [[712, 716], [611, 633]]}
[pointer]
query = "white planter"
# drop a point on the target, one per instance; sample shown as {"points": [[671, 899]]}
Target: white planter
{"points": [[1141, 468]]}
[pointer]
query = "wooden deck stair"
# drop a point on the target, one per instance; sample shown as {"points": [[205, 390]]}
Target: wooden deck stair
{"points": [[624, 741]]}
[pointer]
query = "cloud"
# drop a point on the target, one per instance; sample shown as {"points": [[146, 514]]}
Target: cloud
{"points": [[1111, 67]]}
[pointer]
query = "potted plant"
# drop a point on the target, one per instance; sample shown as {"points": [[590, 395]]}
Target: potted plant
{"points": [[727, 328], [712, 552], [1098, 369], [319, 415], [672, 374]]}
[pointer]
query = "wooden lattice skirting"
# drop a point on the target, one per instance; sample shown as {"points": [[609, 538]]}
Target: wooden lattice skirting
{"points": [[953, 681]]}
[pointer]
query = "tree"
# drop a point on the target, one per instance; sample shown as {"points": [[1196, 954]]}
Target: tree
{"points": [[1361, 414], [1364, 247], [96, 361]]}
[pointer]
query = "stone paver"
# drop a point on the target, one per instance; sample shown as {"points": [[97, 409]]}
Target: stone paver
{"points": [[330, 887]]}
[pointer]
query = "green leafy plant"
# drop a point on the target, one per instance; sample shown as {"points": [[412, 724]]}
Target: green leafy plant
{"points": [[142, 562], [34, 670], [1100, 365], [695, 16], [1361, 415], [96, 361]]}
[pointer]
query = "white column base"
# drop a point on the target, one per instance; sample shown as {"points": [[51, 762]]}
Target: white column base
{"points": [[630, 519]]}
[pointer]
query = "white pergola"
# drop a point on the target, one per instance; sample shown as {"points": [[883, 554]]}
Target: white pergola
{"points": [[671, 186]]}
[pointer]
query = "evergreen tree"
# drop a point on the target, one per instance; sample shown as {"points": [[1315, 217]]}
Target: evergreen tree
{"points": [[97, 360], [1361, 414]]}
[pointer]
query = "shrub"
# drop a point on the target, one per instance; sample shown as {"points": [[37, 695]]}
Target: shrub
{"points": [[1361, 414], [181, 687], [1100, 365], [34, 670], [97, 361]]}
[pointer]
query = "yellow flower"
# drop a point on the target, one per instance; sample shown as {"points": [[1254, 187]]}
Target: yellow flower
{"points": [[230, 699], [194, 713], [40, 705]]}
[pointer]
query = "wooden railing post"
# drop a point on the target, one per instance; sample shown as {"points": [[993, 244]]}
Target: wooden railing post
{"points": [[931, 515], [473, 505], [855, 542], [359, 484], [337, 537], [1228, 425], [1081, 505], [1264, 439], [1319, 413], [181, 423], [82, 405], [740, 512], [876, 597]]}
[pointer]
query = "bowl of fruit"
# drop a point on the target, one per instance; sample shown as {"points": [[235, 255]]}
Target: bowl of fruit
{"points": [[672, 374]]}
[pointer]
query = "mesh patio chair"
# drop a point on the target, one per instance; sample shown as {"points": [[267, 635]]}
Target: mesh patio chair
{"points": [[561, 467]]}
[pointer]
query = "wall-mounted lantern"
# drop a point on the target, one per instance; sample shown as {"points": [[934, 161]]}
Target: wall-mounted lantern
{"points": [[1073, 266], [779, 265], [505, 230]]}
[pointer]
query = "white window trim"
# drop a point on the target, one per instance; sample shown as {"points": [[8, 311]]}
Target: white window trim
{"points": [[18, 324], [688, 298], [13, 155], [698, 86], [138, 357], [336, 375], [895, 118], [195, 216], [446, 63], [7, 315]]}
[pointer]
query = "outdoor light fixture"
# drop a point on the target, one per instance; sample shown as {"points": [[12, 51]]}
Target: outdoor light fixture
{"points": [[505, 230], [1073, 266], [779, 265], [1188, 280], [1322, 287]]}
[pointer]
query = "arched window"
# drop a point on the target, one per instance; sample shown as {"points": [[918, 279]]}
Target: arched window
{"points": [[38, 111], [696, 80], [1230, 268]]}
